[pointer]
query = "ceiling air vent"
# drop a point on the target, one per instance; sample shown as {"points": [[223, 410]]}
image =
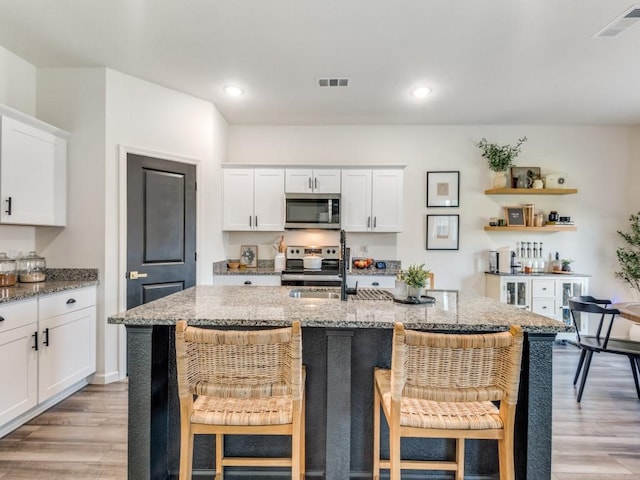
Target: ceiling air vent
{"points": [[621, 24], [333, 82]]}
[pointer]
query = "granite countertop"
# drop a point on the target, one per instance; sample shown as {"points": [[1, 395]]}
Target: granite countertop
{"points": [[272, 306], [545, 274], [265, 267], [58, 280]]}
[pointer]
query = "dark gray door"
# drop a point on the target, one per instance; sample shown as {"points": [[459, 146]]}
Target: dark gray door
{"points": [[161, 228]]}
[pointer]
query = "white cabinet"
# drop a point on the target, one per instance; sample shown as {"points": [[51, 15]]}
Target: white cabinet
{"points": [[19, 358], [247, 280], [546, 295], [253, 199], [371, 281], [33, 163], [47, 348], [372, 200], [308, 180], [67, 329]]}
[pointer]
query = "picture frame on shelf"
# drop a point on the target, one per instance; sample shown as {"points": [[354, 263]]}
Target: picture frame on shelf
{"points": [[443, 232], [249, 256], [514, 216], [443, 189], [528, 174]]}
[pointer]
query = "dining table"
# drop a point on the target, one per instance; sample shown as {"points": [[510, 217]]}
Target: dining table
{"points": [[629, 310]]}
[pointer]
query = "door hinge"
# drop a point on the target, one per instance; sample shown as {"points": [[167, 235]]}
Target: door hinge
{"points": [[195, 256]]}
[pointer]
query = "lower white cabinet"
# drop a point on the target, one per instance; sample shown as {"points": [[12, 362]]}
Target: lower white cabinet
{"points": [[247, 280], [371, 281], [19, 359], [67, 330], [546, 295], [47, 346]]}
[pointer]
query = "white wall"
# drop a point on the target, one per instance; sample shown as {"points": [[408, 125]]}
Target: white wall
{"points": [[17, 90], [597, 160]]}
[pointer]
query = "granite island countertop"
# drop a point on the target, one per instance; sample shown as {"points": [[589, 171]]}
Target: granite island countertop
{"points": [[58, 280], [242, 306]]}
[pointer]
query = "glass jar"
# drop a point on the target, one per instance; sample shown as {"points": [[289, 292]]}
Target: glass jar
{"points": [[8, 271], [32, 268]]}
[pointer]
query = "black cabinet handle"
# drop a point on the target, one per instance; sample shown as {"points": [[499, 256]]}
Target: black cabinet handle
{"points": [[250, 219], [71, 301], [8, 210], [256, 221], [35, 341], [1, 319], [46, 337], [248, 282], [375, 284], [309, 183]]}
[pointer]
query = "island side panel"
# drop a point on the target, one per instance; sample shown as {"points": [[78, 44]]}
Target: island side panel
{"points": [[534, 411]]}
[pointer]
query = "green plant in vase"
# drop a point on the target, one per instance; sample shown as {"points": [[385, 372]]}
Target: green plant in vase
{"points": [[629, 256], [500, 158], [566, 264], [416, 279]]}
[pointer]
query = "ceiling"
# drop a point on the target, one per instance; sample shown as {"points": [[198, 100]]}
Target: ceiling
{"points": [[487, 61]]}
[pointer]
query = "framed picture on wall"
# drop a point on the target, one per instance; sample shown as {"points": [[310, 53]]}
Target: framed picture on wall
{"points": [[249, 255], [443, 232], [443, 189]]}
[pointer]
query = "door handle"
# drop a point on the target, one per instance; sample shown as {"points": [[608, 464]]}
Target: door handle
{"points": [[310, 183], [8, 210], [315, 183], [137, 275], [368, 222], [46, 337]]}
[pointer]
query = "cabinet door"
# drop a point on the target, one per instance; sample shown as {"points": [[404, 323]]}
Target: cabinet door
{"points": [[237, 199], [516, 293], [326, 181], [387, 200], [19, 374], [67, 351], [356, 200], [568, 288], [269, 199], [32, 175], [299, 180]]}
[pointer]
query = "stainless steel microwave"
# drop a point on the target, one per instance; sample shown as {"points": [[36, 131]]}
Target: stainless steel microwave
{"points": [[312, 210]]}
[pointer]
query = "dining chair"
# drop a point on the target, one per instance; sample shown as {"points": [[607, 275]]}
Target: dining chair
{"points": [[244, 383], [600, 342], [444, 386]]}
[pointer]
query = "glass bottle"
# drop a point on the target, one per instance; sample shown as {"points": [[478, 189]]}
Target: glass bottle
{"points": [[8, 271], [556, 265], [32, 268], [541, 265]]}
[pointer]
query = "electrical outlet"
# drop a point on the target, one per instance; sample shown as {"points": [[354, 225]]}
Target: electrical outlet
{"points": [[364, 249]]}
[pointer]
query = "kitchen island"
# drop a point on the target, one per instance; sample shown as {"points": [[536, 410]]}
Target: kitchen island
{"points": [[342, 343]]}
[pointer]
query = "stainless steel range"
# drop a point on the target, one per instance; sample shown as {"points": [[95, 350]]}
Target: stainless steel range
{"points": [[322, 266]]}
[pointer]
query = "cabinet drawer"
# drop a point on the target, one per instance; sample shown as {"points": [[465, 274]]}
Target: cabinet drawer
{"points": [[368, 281], [249, 280], [17, 314], [544, 307], [67, 301], [543, 288]]}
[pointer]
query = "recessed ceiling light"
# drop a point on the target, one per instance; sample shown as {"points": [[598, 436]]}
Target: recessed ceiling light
{"points": [[420, 92], [233, 91]]}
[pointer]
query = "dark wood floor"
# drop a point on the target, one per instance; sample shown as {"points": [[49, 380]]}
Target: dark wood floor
{"points": [[85, 436]]}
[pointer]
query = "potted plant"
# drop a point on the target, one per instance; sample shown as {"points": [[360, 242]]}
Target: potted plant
{"points": [[416, 279], [566, 264], [629, 256], [500, 158]]}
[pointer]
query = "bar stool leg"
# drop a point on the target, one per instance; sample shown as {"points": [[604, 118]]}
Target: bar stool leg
{"points": [[584, 374], [583, 352], [634, 369]]}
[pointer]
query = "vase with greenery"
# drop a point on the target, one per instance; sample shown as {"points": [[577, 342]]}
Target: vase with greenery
{"points": [[629, 255], [500, 158], [566, 264], [416, 279]]}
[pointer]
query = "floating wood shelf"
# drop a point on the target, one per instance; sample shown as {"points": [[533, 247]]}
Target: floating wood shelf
{"points": [[548, 228], [531, 191]]}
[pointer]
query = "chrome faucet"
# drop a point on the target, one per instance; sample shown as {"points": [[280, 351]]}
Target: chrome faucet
{"points": [[344, 291]]}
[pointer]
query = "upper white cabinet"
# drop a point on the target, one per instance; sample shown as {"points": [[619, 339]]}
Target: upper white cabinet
{"points": [[253, 199], [308, 180], [372, 200], [33, 171]]}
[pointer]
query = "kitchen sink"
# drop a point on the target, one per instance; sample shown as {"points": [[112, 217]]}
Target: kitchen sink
{"points": [[303, 293]]}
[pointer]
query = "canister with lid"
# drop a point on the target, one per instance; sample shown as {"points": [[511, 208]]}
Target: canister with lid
{"points": [[32, 268], [8, 271]]}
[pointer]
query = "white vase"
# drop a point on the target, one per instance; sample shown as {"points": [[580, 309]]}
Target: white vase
{"points": [[415, 291], [499, 179]]}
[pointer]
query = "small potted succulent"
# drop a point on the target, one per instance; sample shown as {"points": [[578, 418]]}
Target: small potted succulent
{"points": [[416, 279], [500, 158], [566, 264]]}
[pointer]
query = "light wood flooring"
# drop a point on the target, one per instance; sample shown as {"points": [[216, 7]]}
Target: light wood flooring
{"points": [[85, 436]]}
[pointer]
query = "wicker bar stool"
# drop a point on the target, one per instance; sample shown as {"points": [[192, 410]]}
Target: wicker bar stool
{"points": [[444, 386], [240, 382]]}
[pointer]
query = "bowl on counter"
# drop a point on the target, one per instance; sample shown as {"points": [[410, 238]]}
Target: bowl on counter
{"points": [[361, 263], [233, 264]]}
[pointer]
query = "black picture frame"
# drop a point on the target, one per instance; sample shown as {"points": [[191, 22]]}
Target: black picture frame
{"points": [[443, 232], [443, 189], [514, 216]]}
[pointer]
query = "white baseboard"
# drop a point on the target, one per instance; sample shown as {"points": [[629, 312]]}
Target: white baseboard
{"points": [[104, 378]]}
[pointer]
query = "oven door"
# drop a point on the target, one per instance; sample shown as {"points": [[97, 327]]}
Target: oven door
{"points": [[312, 211]]}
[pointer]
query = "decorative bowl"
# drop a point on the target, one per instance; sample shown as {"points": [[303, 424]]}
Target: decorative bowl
{"points": [[362, 263]]}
